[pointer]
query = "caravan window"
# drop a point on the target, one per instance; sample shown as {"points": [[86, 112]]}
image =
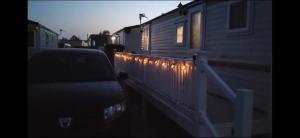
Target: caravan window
{"points": [[179, 34], [145, 39], [238, 16], [93, 43], [47, 39], [195, 30], [30, 39]]}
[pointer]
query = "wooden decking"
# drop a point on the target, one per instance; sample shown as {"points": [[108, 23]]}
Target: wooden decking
{"points": [[220, 112]]}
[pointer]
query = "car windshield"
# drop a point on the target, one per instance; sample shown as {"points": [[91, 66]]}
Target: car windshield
{"points": [[69, 67]]}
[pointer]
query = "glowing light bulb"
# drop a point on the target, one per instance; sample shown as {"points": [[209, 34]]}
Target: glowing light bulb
{"points": [[173, 66], [145, 60], [183, 67]]}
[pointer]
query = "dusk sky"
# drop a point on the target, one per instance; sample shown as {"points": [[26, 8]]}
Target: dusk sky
{"points": [[89, 17]]}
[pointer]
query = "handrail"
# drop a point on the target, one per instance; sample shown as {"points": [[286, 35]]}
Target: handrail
{"points": [[242, 100], [220, 82]]}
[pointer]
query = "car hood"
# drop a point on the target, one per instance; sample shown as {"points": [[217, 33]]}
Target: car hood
{"points": [[82, 94]]}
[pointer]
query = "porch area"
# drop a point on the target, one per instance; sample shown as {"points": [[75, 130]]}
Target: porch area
{"points": [[177, 87]]}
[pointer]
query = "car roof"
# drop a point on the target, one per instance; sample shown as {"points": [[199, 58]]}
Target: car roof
{"points": [[70, 50]]}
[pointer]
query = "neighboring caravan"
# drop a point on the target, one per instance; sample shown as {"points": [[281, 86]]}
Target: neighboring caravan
{"points": [[129, 37], [236, 37], [40, 36], [99, 40]]}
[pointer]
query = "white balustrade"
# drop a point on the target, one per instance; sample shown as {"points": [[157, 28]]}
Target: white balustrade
{"points": [[184, 83], [170, 77]]}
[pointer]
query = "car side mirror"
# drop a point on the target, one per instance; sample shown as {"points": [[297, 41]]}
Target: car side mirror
{"points": [[122, 76]]}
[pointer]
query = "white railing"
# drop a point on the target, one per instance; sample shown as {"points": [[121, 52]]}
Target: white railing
{"points": [[170, 77], [183, 81]]}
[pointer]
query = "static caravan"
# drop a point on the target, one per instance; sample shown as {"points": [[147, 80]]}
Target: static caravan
{"points": [[40, 36], [235, 35], [130, 37], [99, 40], [236, 39]]}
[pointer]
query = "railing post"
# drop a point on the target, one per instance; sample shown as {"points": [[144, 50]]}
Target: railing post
{"points": [[201, 83], [201, 91], [243, 113]]}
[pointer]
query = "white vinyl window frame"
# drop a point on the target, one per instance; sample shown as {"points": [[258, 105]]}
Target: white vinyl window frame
{"points": [[180, 22], [199, 8], [249, 18], [198, 36]]}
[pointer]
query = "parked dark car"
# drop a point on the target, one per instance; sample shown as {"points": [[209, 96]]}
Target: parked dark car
{"points": [[73, 92]]}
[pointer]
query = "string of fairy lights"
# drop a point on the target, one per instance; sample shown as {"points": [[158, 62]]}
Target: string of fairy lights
{"points": [[173, 64]]}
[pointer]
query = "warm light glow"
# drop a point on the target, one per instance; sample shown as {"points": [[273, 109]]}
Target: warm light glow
{"points": [[164, 64], [183, 67], [113, 38], [187, 66], [150, 62], [179, 34], [145, 60], [140, 60], [117, 55], [126, 57], [173, 66]]}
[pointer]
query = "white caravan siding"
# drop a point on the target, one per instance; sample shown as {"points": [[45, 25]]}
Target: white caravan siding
{"points": [[122, 38], [254, 47], [52, 39], [133, 40], [163, 38]]}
